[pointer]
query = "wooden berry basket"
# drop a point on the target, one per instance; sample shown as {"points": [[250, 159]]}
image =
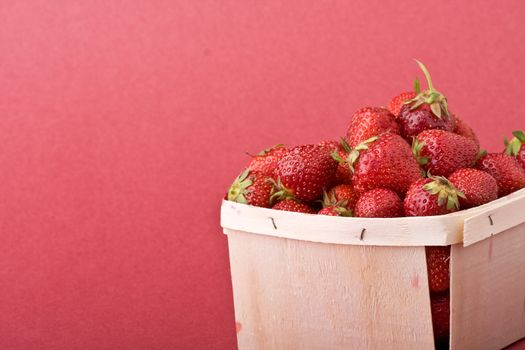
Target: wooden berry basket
{"points": [[303, 281]]}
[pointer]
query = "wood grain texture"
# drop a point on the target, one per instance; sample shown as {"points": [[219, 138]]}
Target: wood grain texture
{"points": [[406, 231], [495, 218], [292, 294], [488, 291]]}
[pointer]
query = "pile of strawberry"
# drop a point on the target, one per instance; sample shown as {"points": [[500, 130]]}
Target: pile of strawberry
{"points": [[412, 158]]}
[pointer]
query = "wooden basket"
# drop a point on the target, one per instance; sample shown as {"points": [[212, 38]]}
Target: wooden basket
{"points": [[304, 281]]}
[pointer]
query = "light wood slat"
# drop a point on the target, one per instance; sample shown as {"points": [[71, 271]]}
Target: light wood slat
{"points": [[292, 294], [488, 291]]}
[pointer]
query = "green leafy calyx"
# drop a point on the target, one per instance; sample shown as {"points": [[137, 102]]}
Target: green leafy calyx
{"points": [[513, 146], [435, 99], [353, 153], [330, 199], [239, 188], [416, 150], [342, 211], [281, 192], [447, 193]]}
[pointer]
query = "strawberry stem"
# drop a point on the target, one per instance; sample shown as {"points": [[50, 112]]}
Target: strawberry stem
{"points": [[427, 75]]}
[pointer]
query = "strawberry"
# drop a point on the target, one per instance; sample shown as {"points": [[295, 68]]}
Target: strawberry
{"points": [[379, 203], [438, 268], [343, 174], [442, 152], [432, 196], [478, 187], [516, 147], [395, 104], [335, 211], [267, 160], [368, 122], [440, 308], [293, 205], [386, 162], [428, 110], [342, 196], [465, 130], [253, 188], [508, 173], [332, 145], [305, 172]]}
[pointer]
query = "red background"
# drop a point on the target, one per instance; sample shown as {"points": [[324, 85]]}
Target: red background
{"points": [[122, 123]]}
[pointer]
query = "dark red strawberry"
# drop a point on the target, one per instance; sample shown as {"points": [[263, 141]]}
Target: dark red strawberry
{"points": [[266, 161], [441, 152], [465, 130], [293, 205], [334, 210], [253, 188], [428, 110], [385, 162], [395, 104], [440, 308], [341, 196], [516, 147], [431, 196], [306, 171], [379, 203], [413, 122], [343, 174], [508, 173], [368, 122], [438, 258], [478, 187]]}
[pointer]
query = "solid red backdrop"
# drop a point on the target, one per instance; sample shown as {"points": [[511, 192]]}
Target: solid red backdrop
{"points": [[122, 123]]}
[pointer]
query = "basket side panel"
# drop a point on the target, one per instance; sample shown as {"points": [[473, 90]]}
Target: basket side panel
{"points": [[292, 294], [488, 291]]}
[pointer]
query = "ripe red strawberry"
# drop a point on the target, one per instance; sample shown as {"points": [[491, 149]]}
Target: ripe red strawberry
{"points": [[305, 171], [440, 308], [395, 104], [379, 203], [508, 173], [266, 161], [332, 145], [516, 147], [334, 210], [431, 196], [465, 130], [442, 152], [428, 110], [438, 268], [342, 196], [293, 205], [343, 174], [385, 162], [368, 122], [253, 188], [478, 187]]}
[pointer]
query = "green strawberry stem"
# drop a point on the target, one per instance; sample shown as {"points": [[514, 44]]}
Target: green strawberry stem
{"points": [[427, 75], [353, 154], [342, 211], [436, 100], [447, 193], [417, 87], [331, 200], [513, 146], [281, 192], [416, 150], [238, 189]]}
